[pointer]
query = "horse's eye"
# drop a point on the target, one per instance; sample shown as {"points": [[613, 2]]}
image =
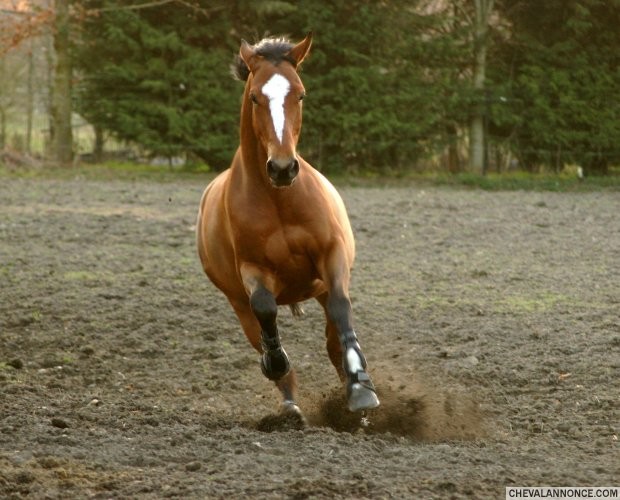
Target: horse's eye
{"points": [[301, 97], [253, 97]]}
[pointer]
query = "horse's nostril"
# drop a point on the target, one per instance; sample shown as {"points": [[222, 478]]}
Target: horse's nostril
{"points": [[272, 170], [294, 168]]}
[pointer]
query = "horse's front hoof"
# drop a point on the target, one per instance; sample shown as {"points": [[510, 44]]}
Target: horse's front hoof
{"points": [[292, 412], [361, 398]]}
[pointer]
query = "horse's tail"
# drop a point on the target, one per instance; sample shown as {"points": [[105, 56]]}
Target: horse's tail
{"points": [[297, 310]]}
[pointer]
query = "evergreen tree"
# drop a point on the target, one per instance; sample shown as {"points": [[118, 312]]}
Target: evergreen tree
{"points": [[62, 133], [560, 68], [389, 83], [383, 83], [145, 76], [378, 94]]}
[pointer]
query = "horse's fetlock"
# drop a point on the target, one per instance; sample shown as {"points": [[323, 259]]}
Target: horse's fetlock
{"points": [[349, 339], [270, 342]]}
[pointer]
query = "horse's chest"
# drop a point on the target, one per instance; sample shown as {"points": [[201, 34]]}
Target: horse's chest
{"points": [[289, 249], [285, 254]]}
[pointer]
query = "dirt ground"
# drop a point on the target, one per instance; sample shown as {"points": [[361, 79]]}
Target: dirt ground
{"points": [[491, 323]]}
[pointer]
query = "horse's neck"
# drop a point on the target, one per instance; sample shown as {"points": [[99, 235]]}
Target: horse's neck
{"points": [[253, 155], [249, 176]]}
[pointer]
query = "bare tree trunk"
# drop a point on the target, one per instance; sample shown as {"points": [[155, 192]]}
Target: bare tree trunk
{"points": [[62, 140], [99, 140], [30, 100], [2, 109], [2, 128], [49, 85], [454, 162], [477, 138]]}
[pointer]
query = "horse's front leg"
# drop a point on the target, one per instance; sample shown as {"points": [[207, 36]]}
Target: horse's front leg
{"points": [[274, 361], [259, 324], [345, 351]]}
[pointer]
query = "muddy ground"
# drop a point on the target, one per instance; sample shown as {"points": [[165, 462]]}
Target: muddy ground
{"points": [[490, 322]]}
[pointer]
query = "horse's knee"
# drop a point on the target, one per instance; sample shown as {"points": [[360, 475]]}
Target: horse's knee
{"points": [[264, 306]]}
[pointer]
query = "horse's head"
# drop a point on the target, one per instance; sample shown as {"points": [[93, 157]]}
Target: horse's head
{"points": [[275, 92]]}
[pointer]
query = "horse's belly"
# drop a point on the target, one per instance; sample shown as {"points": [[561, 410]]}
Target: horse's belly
{"points": [[296, 282]]}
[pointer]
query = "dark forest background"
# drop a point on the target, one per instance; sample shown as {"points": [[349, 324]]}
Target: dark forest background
{"points": [[392, 85]]}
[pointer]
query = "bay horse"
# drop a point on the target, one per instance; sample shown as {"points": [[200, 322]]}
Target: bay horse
{"points": [[272, 230]]}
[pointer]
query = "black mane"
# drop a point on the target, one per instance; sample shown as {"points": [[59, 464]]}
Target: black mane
{"points": [[275, 50]]}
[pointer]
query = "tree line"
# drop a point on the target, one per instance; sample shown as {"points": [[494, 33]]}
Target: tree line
{"points": [[392, 85]]}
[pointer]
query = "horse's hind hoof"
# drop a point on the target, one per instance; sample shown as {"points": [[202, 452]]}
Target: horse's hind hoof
{"points": [[362, 398], [288, 406], [287, 419]]}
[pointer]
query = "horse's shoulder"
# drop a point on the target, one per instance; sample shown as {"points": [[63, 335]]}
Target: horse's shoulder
{"points": [[327, 188]]}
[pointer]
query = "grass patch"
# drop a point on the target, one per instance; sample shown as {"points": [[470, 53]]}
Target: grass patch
{"points": [[518, 181], [114, 171], [126, 171], [80, 276], [531, 182], [541, 302], [513, 181], [89, 277]]}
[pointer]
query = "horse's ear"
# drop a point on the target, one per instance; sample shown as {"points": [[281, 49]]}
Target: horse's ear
{"points": [[246, 53], [300, 51]]}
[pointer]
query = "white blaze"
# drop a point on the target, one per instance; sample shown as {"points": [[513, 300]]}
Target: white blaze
{"points": [[276, 89]]}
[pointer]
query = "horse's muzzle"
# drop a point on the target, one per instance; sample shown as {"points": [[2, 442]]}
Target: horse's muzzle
{"points": [[282, 173]]}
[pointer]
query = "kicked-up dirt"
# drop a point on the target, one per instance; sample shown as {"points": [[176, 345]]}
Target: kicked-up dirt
{"points": [[491, 323]]}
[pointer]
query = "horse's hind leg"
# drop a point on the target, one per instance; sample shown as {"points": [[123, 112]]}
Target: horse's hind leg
{"points": [[341, 338], [258, 319]]}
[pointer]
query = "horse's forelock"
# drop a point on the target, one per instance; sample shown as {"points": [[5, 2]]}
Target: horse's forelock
{"points": [[274, 50]]}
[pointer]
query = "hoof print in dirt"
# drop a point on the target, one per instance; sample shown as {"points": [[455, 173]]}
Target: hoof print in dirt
{"points": [[193, 466], [336, 414], [281, 422], [59, 423], [18, 364]]}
